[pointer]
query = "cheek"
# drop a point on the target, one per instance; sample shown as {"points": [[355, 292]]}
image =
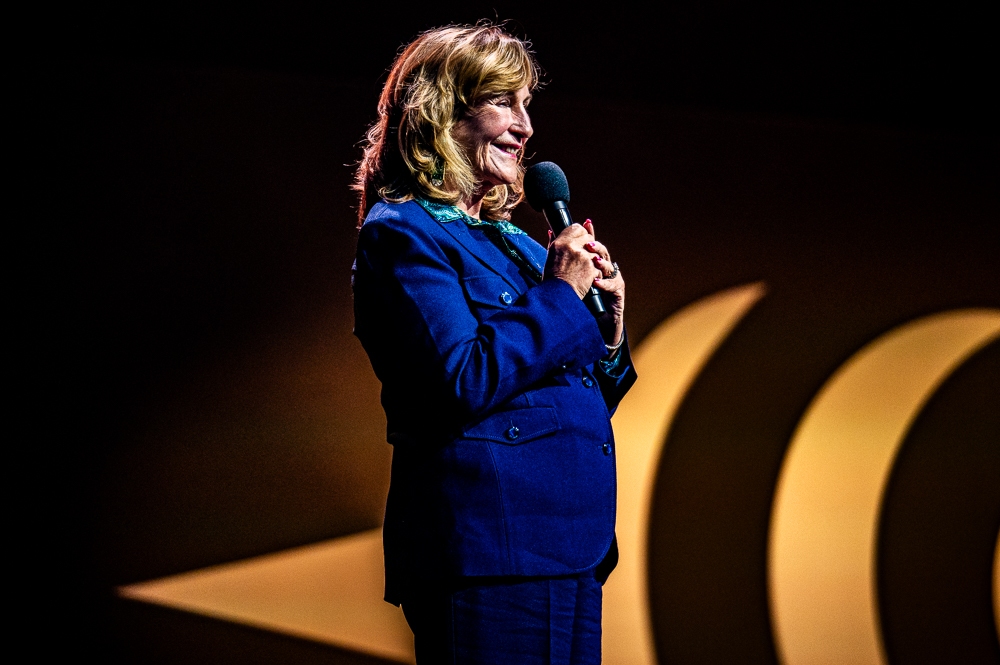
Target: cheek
{"points": [[472, 135], [476, 134], [481, 158], [490, 125], [461, 135]]}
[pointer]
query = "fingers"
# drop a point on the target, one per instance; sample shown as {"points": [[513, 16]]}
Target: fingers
{"points": [[606, 267], [577, 258], [602, 259], [571, 260], [579, 240], [599, 249], [576, 238], [606, 281]]}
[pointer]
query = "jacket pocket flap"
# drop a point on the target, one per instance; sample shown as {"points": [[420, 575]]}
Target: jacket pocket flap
{"points": [[515, 426], [488, 290]]}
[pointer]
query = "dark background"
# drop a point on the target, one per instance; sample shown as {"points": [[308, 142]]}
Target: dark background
{"points": [[216, 405], [929, 66]]}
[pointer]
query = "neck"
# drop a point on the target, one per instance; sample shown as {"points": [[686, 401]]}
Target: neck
{"points": [[471, 205]]}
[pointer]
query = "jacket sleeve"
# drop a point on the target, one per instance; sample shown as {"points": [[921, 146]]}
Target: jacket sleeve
{"points": [[615, 381], [411, 315]]}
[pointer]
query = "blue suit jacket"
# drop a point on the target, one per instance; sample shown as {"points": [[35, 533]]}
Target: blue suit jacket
{"points": [[503, 460]]}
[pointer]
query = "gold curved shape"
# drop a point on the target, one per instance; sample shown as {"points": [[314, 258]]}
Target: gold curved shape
{"points": [[824, 520], [667, 362]]}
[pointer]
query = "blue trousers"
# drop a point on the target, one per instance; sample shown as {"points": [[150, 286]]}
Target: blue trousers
{"points": [[509, 621]]}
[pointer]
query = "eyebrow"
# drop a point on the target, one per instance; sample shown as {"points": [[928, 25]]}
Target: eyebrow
{"points": [[511, 94]]}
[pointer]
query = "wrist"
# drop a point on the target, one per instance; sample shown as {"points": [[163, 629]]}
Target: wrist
{"points": [[614, 348]]}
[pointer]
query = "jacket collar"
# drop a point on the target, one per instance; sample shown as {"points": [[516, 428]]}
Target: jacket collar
{"points": [[480, 247]]}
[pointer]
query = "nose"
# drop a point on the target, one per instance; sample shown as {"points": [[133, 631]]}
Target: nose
{"points": [[522, 125]]}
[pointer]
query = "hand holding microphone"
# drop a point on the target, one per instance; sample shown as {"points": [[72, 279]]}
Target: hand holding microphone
{"points": [[571, 259], [547, 191], [575, 256]]}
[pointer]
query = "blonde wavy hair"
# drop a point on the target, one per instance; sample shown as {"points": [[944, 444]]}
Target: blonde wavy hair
{"points": [[434, 82]]}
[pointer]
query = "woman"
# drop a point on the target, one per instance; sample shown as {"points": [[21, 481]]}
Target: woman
{"points": [[497, 382]]}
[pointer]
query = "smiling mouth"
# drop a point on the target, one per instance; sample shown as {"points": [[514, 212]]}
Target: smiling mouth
{"points": [[509, 149]]}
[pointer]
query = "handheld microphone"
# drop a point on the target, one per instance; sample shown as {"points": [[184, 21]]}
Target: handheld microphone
{"points": [[547, 191]]}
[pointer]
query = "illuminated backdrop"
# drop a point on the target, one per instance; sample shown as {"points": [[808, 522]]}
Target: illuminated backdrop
{"points": [[231, 414]]}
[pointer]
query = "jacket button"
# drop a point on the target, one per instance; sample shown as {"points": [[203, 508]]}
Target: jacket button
{"points": [[506, 298], [587, 381], [513, 432], [606, 448]]}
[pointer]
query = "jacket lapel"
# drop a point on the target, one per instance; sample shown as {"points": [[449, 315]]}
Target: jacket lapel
{"points": [[532, 251], [485, 251]]}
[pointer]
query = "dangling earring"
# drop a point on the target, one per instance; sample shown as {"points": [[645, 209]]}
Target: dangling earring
{"points": [[437, 177]]}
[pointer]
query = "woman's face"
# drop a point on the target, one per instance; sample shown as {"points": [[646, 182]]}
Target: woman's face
{"points": [[493, 135]]}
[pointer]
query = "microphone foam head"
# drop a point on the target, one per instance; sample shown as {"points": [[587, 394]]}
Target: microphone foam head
{"points": [[544, 183]]}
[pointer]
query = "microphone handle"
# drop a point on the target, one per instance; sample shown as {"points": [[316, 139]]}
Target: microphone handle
{"points": [[557, 215]]}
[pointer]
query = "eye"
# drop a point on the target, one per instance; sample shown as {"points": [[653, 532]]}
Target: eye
{"points": [[503, 100]]}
